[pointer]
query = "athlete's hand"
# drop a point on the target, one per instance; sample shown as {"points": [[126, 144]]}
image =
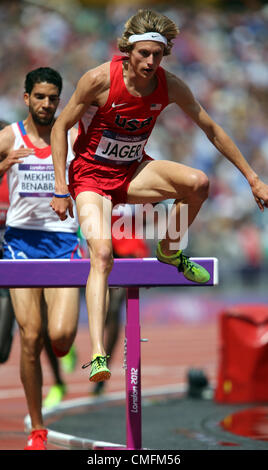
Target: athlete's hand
{"points": [[15, 156], [62, 206], [260, 193]]}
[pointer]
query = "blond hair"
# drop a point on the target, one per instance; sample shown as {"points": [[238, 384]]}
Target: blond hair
{"points": [[148, 21]]}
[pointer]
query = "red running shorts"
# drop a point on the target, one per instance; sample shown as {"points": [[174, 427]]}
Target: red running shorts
{"points": [[111, 181]]}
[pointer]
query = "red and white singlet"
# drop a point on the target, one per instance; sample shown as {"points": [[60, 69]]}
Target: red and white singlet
{"points": [[31, 187], [111, 139], [4, 204]]}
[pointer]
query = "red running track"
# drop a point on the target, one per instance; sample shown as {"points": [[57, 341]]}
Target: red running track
{"points": [[165, 359]]}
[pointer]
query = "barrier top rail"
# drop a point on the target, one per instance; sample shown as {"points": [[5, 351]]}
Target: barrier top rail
{"points": [[141, 272]]}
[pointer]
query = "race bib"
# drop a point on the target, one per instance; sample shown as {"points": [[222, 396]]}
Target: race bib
{"points": [[120, 148], [36, 180]]}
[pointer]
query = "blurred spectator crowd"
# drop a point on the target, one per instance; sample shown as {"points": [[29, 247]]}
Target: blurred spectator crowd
{"points": [[223, 57]]}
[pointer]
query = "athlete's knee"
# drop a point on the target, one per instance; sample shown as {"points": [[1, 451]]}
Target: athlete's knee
{"points": [[199, 185], [62, 337], [31, 342], [101, 258]]}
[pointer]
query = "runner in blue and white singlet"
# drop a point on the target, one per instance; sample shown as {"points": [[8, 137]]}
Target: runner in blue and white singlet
{"points": [[31, 185], [34, 232]]}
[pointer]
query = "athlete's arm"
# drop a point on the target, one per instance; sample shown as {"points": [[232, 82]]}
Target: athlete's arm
{"points": [[73, 136], [180, 94], [88, 89], [8, 156]]}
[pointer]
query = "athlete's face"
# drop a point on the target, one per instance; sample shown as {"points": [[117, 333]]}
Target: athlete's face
{"points": [[145, 57], [42, 102]]}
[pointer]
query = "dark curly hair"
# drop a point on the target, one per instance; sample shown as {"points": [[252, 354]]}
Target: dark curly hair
{"points": [[40, 75]]}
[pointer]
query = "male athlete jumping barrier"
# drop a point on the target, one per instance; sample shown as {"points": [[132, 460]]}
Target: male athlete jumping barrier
{"points": [[117, 105]]}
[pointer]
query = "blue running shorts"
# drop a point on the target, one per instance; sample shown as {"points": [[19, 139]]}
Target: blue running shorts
{"points": [[38, 244]]}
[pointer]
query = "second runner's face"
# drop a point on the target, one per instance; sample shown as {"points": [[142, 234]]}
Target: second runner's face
{"points": [[145, 57], [43, 102]]}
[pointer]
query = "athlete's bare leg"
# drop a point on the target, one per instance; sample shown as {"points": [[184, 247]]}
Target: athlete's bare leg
{"points": [[158, 180], [62, 313], [26, 304], [63, 309], [94, 213]]}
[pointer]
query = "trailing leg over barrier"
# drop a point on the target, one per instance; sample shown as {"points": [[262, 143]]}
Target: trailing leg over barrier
{"points": [[132, 274]]}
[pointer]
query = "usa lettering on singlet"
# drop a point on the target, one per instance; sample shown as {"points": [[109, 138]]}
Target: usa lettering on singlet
{"points": [[31, 187], [118, 131]]}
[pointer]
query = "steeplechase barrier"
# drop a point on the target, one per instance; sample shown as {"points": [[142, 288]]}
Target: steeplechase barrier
{"points": [[132, 274]]}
